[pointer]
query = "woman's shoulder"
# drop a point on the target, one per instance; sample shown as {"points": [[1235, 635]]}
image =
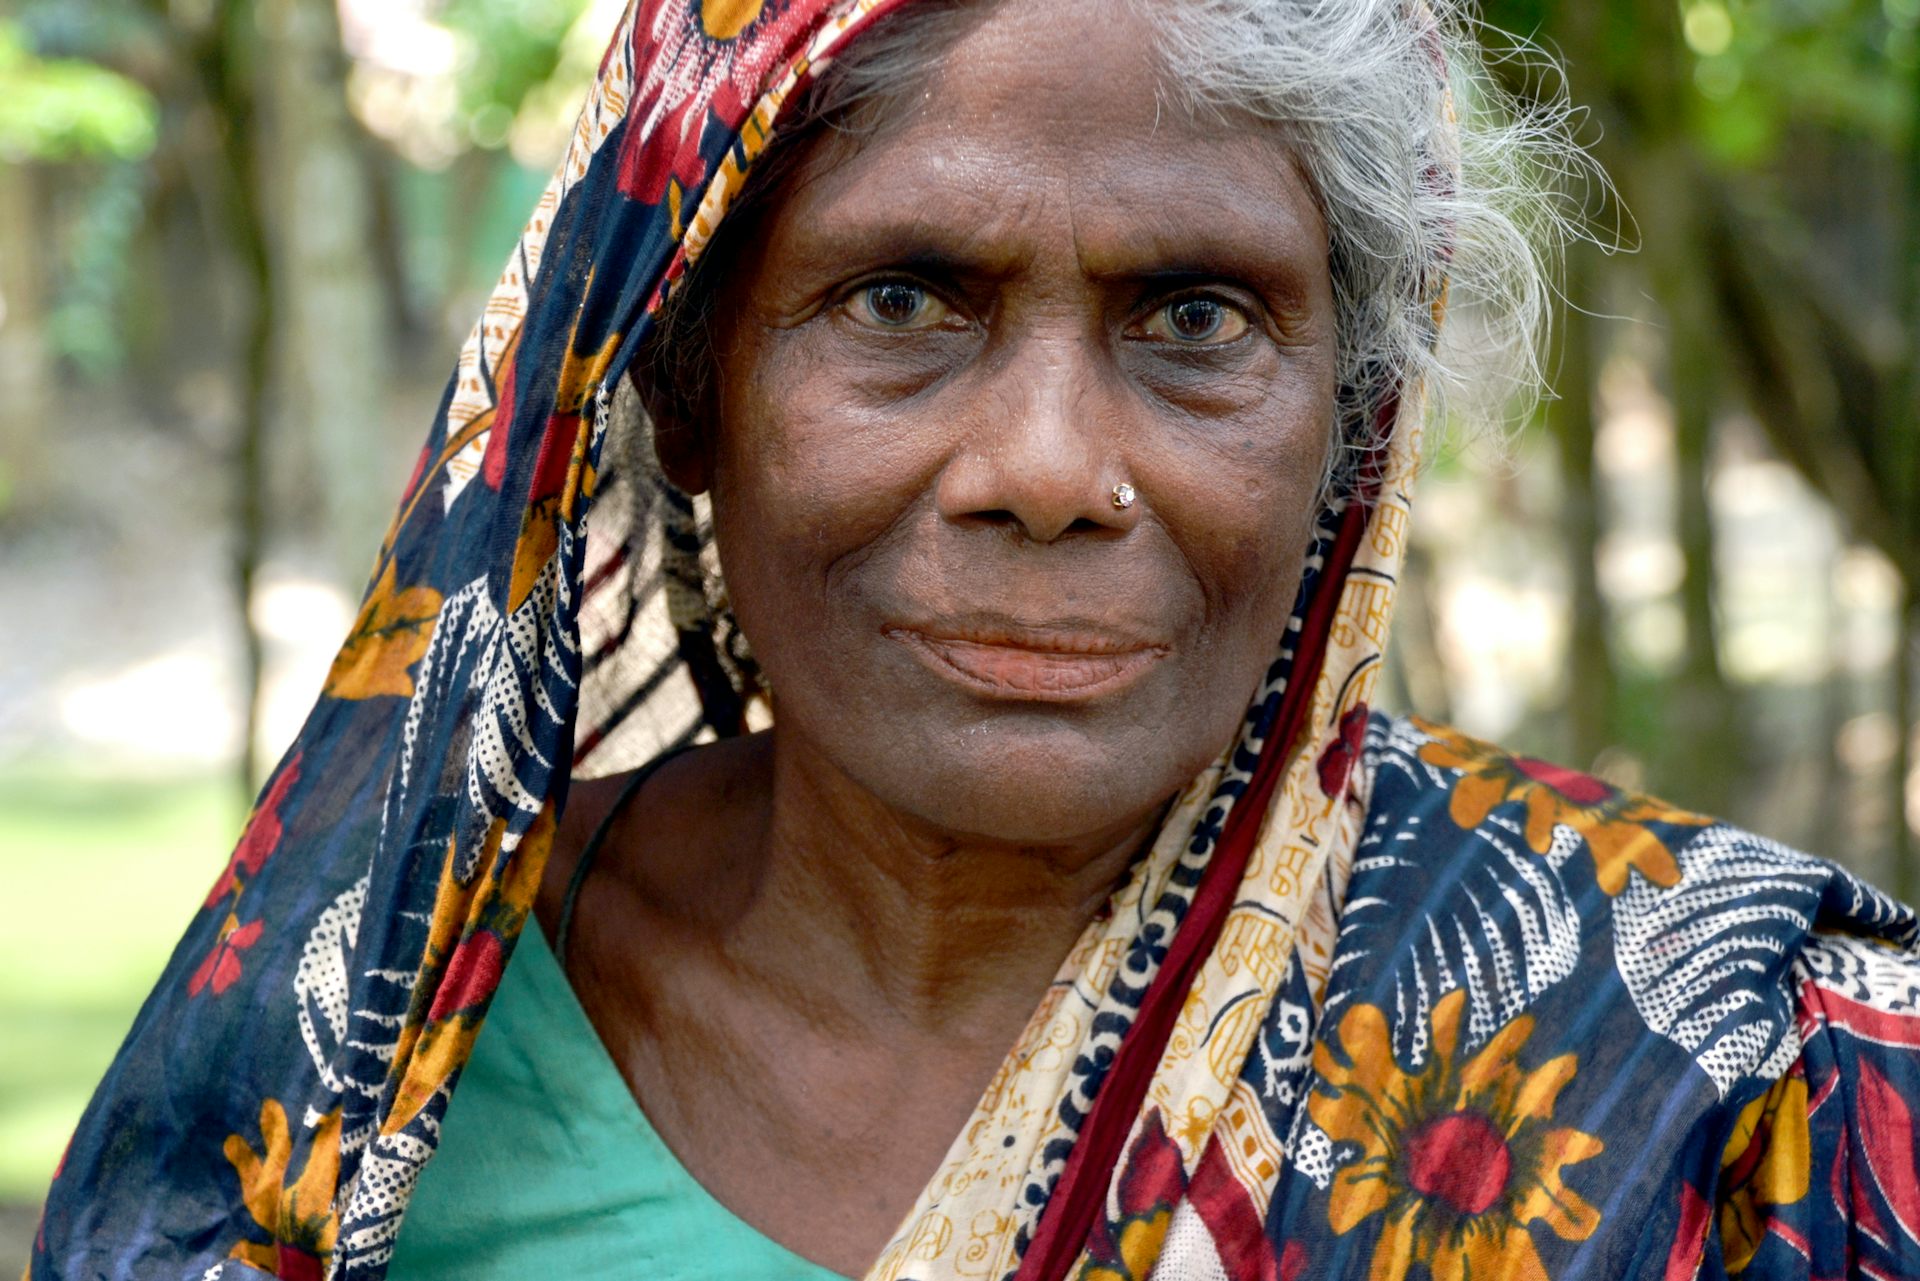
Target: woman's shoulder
{"points": [[1727, 1028], [1538, 887], [1453, 797]]}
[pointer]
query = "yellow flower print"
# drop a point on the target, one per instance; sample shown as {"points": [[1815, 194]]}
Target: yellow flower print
{"points": [[1140, 1239], [1765, 1164], [725, 19], [1613, 822], [1459, 1157], [297, 1216], [1152, 1180]]}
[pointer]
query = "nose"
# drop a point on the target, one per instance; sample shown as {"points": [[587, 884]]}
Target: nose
{"points": [[1046, 453]]}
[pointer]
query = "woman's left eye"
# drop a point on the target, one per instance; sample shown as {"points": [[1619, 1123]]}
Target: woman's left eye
{"points": [[898, 305], [1196, 321]]}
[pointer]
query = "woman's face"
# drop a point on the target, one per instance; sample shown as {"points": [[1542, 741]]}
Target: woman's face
{"points": [[946, 350]]}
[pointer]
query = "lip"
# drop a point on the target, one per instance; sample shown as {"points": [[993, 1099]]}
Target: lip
{"points": [[1031, 664]]}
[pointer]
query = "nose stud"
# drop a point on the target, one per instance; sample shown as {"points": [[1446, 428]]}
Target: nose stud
{"points": [[1123, 496]]}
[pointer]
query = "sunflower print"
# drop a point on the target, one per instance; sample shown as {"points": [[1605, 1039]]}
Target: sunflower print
{"points": [[1457, 1159], [1765, 1165], [1613, 823]]}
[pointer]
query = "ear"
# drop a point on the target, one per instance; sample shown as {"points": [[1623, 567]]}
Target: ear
{"points": [[678, 441]]}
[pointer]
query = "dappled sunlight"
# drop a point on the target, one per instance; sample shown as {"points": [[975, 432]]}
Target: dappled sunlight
{"points": [[180, 707], [1501, 644], [302, 621], [172, 707]]}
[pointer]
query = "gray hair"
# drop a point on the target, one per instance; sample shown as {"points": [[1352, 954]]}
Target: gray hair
{"points": [[1429, 176]]}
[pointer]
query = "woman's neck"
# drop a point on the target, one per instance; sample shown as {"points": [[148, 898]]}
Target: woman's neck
{"points": [[879, 917]]}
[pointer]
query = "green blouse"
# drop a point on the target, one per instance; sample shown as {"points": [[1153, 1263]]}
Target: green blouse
{"points": [[548, 1168]]}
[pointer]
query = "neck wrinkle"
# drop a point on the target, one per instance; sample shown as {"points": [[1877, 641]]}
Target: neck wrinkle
{"points": [[949, 932]]}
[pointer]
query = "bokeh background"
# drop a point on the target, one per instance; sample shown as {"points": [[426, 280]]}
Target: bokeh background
{"points": [[241, 240]]}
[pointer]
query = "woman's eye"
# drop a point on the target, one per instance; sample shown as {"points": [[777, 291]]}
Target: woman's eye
{"points": [[1196, 322], [898, 305]]}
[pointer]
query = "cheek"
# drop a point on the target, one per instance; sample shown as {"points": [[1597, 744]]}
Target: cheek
{"points": [[1242, 512], [807, 492], [798, 477]]}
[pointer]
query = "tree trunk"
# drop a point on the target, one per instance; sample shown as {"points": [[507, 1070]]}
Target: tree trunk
{"points": [[1905, 881], [1906, 430], [331, 346], [25, 377], [1703, 726], [1590, 671], [225, 63]]}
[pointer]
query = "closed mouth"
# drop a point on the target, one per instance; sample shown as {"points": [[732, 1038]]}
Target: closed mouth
{"points": [[1041, 666]]}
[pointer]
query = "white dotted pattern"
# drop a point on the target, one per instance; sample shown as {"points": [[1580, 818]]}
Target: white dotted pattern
{"points": [[1705, 966], [320, 986]]}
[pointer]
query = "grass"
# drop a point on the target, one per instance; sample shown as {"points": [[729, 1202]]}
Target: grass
{"points": [[101, 875]]}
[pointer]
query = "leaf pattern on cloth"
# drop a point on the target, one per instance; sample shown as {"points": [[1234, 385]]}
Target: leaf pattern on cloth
{"points": [[295, 1213], [1886, 1137], [1679, 949], [323, 986], [388, 637], [1497, 922]]}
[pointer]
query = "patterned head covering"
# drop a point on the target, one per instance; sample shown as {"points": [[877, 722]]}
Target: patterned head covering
{"points": [[545, 604]]}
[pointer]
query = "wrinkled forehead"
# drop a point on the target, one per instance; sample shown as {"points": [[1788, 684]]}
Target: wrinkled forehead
{"points": [[1087, 75], [1062, 112]]}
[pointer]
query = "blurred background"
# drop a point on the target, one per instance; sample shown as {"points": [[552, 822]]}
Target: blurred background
{"points": [[241, 240]]}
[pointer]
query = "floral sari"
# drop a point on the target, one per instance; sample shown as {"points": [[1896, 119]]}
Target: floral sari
{"points": [[1378, 1001]]}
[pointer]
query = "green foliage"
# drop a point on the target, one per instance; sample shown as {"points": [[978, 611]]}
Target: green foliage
{"points": [[512, 48], [1760, 69], [1763, 66], [68, 108], [86, 326], [101, 124]]}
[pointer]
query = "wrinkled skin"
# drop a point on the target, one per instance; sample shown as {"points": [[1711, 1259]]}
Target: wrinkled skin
{"points": [[808, 950], [952, 476]]}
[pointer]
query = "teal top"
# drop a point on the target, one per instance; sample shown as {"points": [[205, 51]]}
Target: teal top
{"points": [[548, 1168]]}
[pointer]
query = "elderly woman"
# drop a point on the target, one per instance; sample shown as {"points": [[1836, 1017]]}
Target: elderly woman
{"points": [[1006, 409]]}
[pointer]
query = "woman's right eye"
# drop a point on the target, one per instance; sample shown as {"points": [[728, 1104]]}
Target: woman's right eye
{"points": [[898, 305]]}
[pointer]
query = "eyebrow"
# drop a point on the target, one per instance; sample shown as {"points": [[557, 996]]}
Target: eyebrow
{"points": [[919, 249], [915, 246], [1227, 243], [1269, 246]]}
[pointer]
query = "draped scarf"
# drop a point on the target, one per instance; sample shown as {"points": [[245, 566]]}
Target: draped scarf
{"points": [[545, 605]]}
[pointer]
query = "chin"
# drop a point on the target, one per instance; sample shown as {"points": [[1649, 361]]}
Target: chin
{"points": [[1047, 782]]}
